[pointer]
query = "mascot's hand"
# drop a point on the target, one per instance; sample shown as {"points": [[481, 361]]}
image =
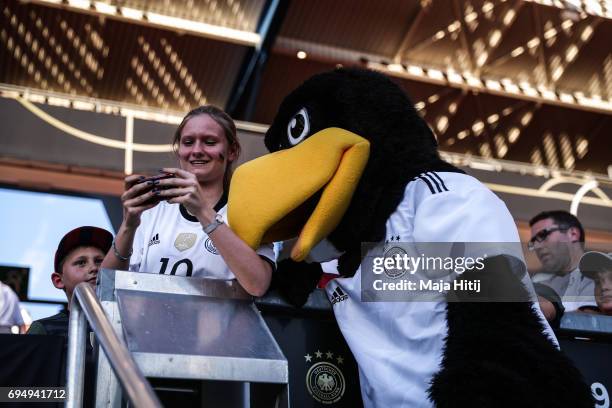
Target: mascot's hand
{"points": [[295, 280]]}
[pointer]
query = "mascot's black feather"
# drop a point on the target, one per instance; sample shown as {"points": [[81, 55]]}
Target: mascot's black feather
{"points": [[496, 354]]}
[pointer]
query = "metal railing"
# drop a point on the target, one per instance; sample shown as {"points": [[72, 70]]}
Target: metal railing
{"points": [[85, 307]]}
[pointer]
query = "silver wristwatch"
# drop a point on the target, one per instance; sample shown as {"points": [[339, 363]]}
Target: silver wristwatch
{"points": [[213, 225]]}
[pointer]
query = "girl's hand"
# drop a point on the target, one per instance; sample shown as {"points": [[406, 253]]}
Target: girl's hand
{"points": [[184, 189], [137, 198]]}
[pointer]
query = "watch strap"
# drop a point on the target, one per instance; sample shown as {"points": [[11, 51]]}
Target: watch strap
{"points": [[213, 225]]}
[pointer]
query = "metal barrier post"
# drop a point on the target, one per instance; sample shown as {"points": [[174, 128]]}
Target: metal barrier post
{"points": [[77, 338], [86, 304]]}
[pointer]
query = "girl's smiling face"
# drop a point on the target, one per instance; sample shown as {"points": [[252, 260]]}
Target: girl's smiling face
{"points": [[204, 150]]}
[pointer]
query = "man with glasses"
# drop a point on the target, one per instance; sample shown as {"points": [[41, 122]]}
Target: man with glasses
{"points": [[557, 238]]}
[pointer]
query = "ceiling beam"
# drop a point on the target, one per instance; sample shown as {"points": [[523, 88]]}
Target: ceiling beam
{"points": [[542, 58], [241, 102], [409, 36], [450, 128], [599, 8], [81, 103], [463, 35], [421, 73], [531, 43], [579, 43], [505, 27], [147, 18], [494, 87]]}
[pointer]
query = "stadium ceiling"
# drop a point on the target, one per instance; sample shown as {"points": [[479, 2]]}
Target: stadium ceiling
{"points": [[527, 81]]}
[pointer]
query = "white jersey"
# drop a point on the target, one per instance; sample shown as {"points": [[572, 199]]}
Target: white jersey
{"points": [[10, 314], [398, 345], [171, 241]]}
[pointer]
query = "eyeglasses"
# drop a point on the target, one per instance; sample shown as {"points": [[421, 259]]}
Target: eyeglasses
{"points": [[543, 235]]}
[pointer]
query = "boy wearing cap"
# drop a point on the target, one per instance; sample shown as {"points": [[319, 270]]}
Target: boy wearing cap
{"points": [[598, 266], [77, 259]]}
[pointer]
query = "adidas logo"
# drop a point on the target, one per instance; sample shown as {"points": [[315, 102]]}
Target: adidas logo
{"points": [[154, 240], [338, 295]]}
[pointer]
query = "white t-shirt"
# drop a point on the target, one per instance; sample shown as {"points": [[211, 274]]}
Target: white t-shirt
{"points": [[171, 241], [575, 289], [398, 345], [10, 314]]}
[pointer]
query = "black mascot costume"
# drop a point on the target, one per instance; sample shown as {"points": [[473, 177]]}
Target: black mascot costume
{"points": [[353, 162]]}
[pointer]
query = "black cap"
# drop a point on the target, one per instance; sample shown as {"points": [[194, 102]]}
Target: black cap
{"points": [[79, 237], [593, 262]]}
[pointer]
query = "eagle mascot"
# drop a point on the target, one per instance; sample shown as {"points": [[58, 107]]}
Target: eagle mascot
{"points": [[352, 162]]}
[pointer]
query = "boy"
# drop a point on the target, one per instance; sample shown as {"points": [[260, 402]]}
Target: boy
{"points": [[598, 266], [77, 259]]}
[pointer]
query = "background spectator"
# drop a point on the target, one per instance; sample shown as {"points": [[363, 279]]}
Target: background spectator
{"points": [[10, 313], [598, 266], [557, 237], [77, 259]]}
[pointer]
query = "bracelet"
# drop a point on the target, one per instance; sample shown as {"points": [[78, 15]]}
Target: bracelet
{"points": [[118, 255]]}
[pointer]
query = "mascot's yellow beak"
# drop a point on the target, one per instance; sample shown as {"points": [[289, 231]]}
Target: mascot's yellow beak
{"points": [[274, 197]]}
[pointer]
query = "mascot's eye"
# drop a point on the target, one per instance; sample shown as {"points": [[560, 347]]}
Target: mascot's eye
{"points": [[298, 127]]}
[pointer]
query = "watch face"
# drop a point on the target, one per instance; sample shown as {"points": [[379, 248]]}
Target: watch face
{"points": [[214, 224]]}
